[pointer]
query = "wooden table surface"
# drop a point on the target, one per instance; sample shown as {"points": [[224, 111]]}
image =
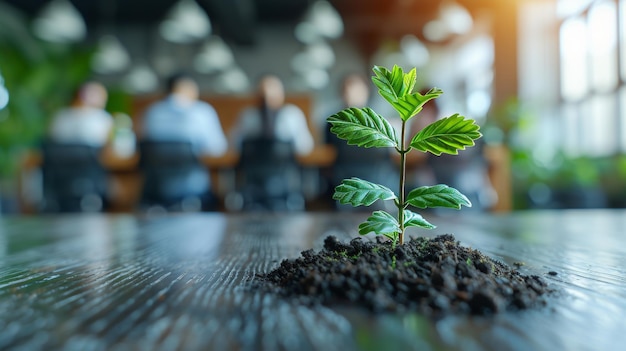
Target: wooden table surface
{"points": [[178, 282]]}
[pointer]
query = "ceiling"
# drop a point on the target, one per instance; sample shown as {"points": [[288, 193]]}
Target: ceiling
{"points": [[149, 11], [237, 20]]}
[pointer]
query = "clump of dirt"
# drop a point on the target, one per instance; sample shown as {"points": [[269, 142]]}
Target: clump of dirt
{"points": [[434, 276]]}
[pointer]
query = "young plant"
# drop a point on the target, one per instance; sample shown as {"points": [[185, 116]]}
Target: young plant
{"points": [[365, 128]]}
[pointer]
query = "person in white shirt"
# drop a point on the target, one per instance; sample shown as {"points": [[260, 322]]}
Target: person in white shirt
{"points": [[273, 118], [85, 121]]}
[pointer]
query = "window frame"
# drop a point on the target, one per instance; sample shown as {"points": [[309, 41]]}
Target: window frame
{"points": [[581, 103]]}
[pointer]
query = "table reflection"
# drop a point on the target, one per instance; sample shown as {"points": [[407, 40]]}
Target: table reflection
{"points": [[183, 282]]}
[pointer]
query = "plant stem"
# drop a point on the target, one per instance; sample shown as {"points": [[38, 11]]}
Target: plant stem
{"points": [[402, 181]]}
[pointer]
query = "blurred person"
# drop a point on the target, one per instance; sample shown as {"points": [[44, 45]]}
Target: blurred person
{"points": [[274, 118], [467, 171], [85, 121], [181, 116], [73, 178], [174, 131], [268, 136]]}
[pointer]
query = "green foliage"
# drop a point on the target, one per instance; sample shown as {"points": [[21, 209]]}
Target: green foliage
{"points": [[366, 128], [396, 87], [447, 135], [439, 195], [412, 219], [359, 192], [40, 78], [363, 127], [380, 222]]}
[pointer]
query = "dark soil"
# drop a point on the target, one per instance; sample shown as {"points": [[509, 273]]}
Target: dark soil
{"points": [[435, 277]]}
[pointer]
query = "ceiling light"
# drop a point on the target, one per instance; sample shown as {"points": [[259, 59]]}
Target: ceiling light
{"points": [[315, 78], [414, 50], [306, 33], [232, 80], [214, 56], [436, 30], [110, 57], [320, 20], [186, 22], [141, 79], [453, 19], [318, 55], [388, 54], [456, 17], [4, 94], [60, 22]]}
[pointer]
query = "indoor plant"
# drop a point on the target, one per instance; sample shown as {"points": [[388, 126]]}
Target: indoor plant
{"points": [[41, 78], [365, 128], [434, 276]]}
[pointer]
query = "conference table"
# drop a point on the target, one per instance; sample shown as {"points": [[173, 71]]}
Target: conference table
{"points": [[125, 179], [183, 281]]}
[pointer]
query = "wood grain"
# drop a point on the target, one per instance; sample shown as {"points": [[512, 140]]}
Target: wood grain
{"points": [[182, 282]]}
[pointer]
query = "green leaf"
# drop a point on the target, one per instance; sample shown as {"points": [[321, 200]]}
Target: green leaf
{"points": [[410, 105], [439, 195], [391, 84], [380, 222], [363, 127], [410, 79], [447, 135], [412, 219], [397, 87], [359, 192]]}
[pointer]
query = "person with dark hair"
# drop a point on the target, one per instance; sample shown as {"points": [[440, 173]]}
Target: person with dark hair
{"points": [[274, 118], [181, 116], [85, 121], [175, 132], [268, 136]]}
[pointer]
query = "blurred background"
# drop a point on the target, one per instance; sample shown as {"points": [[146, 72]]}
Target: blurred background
{"points": [[544, 78]]}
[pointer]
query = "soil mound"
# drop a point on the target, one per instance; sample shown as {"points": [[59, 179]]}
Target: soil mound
{"points": [[434, 276]]}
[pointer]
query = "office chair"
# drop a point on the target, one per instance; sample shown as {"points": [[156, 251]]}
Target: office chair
{"points": [[73, 178], [268, 176], [174, 179]]}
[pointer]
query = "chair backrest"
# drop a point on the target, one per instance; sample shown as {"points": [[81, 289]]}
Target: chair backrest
{"points": [[353, 154], [266, 151], [268, 176], [166, 154], [172, 173], [71, 172], [70, 156], [372, 164]]}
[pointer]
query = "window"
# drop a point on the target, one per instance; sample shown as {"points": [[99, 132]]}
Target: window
{"points": [[603, 35], [602, 135], [567, 8], [571, 131], [622, 38], [574, 62], [592, 53], [622, 107]]}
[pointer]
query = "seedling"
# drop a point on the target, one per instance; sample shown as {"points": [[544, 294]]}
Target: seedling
{"points": [[365, 128]]}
